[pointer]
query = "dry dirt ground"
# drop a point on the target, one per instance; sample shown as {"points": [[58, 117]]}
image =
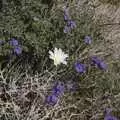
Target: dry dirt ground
{"points": [[107, 13]]}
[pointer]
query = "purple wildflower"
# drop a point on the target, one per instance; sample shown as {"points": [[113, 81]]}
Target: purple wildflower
{"points": [[108, 116], [71, 24], [66, 29], [95, 60], [102, 65], [52, 99], [58, 89], [88, 39], [18, 50], [13, 42], [99, 63], [66, 14], [80, 68]]}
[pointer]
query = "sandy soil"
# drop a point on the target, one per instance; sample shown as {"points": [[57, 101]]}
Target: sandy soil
{"points": [[108, 16]]}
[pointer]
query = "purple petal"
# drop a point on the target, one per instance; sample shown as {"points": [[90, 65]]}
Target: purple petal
{"points": [[58, 89], [18, 50], [65, 17], [71, 24], [52, 99], [102, 65], [109, 117], [99, 63], [88, 40], [80, 68], [66, 29], [13, 42], [66, 14], [108, 111], [95, 60]]}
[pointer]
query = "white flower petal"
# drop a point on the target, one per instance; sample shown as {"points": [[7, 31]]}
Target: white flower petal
{"points": [[58, 56], [64, 62], [51, 54]]}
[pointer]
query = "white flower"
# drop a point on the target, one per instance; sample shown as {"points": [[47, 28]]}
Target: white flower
{"points": [[58, 56]]}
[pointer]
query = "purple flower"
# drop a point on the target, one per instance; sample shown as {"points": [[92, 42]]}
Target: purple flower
{"points": [[102, 65], [71, 24], [58, 89], [66, 29], [18, 50], [13, 42], [88, 40], [66, 14], [99, 63], [80, 68], [52, 99], [95, 60], [108, 116]]}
